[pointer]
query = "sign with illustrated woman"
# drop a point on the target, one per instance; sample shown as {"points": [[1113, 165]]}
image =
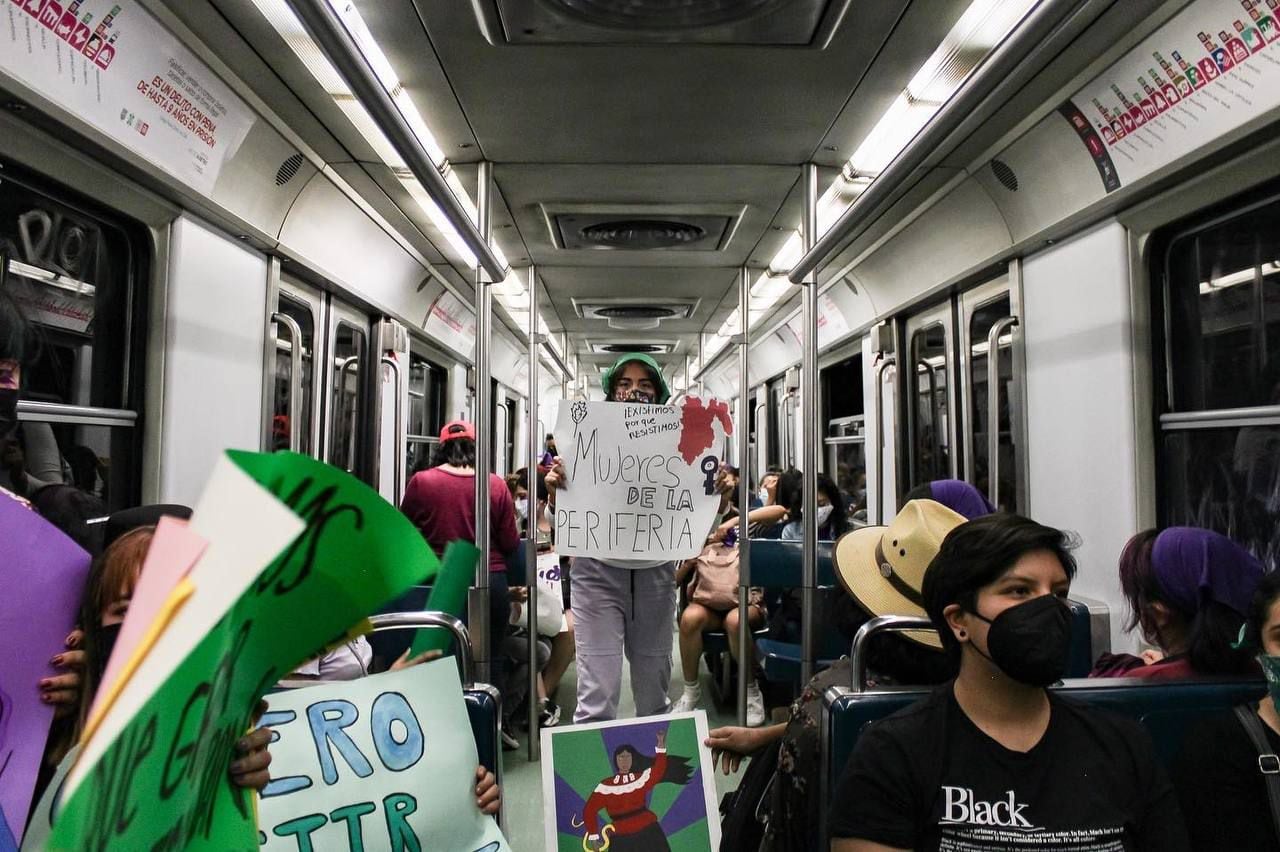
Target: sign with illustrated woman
{"points": [[630, 786]]}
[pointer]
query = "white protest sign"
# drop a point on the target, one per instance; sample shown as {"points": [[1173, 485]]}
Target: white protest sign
{"points": [[640, 479], [386, 762]]}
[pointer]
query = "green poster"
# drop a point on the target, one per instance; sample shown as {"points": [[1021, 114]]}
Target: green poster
{"points": [[380, 763], [162, 781], [448, 594]]}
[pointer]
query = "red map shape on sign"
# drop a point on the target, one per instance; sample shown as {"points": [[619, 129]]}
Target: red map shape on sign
{"points": [[696, 431]]}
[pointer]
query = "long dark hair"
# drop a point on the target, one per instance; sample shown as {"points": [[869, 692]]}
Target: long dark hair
{"points": [[791, 495], [1259, 610], [1211, 630], [678, 769], [459, 452]]}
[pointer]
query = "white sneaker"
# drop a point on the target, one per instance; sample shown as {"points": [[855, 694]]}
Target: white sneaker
{"points": [[755, 706], [689, 701]]}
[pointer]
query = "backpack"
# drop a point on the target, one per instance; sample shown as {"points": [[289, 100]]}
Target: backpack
{"points": [[744, 812], [715, 578]]}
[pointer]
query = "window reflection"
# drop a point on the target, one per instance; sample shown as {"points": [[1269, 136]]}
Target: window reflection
{"points": [[930, 440]]}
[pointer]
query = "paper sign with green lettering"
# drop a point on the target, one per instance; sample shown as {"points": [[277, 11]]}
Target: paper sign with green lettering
{"points": [[386, 762], [448, 594], [157, 779]]}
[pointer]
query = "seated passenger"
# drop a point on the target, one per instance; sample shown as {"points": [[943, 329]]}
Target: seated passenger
{"points": [[832, 519], [713, 602], [1220, 775], [1188, 591], [992, 760], [766, 517], [911, 658]]}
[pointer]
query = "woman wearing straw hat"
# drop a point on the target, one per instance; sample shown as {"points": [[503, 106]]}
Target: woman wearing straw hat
{"points": [[906, 546]]}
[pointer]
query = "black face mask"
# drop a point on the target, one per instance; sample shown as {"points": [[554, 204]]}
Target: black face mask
{"points": [[8, 410], [107, 637], [634, 396], [1030, 642]]}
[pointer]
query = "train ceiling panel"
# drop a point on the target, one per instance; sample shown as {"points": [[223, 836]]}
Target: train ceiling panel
{"points": [[794, 23], [676, 103]]}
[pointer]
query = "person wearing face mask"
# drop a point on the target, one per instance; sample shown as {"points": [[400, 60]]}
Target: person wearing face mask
{"points": [[992, 759], [832, 519], [1226, 774], [624, 605]]}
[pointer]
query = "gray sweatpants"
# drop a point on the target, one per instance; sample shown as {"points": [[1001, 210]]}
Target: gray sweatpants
{"points": [[617, 610]]}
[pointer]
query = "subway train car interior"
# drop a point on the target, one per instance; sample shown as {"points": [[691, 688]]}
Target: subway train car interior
{"points": [[942, 265]]}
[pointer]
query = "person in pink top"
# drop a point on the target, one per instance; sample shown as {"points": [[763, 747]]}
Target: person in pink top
{"points": [[440, 501]]}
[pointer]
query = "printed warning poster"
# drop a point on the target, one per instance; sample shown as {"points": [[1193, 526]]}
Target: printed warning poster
{"points": [[640, 480], [116, 67], [1212, 68]]}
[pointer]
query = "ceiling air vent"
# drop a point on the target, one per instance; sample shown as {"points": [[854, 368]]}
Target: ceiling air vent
{"points": [[1008, 179], [795, 23], [288, 169], [635, 314], [661, 347], [640, 234]]}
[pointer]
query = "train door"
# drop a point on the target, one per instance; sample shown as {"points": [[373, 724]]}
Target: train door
{"points": [[347, 401], [504, 430], [294, 383], [392, 403], [992, 395], [775, 434], [928, 368]]}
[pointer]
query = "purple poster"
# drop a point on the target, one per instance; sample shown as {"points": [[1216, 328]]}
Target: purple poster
{"points": [[42, 576]]}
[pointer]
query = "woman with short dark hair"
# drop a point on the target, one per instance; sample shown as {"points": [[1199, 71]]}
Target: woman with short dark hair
{"points": [[992, 760]]}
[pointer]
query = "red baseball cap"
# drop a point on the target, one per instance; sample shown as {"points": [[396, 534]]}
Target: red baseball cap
{"points": [[457, 429]]}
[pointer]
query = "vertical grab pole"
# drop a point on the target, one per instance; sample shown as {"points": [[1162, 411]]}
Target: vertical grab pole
{"points": [[809, 426], [993, 407], [885, 364], [478, 620], [531, 545], [744, 497]]}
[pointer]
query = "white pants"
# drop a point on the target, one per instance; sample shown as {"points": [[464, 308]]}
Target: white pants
{"points": [[617, 611]]}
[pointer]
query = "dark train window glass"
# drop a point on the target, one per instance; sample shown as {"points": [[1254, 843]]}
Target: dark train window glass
{"points": [[1223, 302], [930, 450], [1227, 480], [842, 391], [70, 273], [980, 325], [348, 398], [281, 428], [427, 387]]}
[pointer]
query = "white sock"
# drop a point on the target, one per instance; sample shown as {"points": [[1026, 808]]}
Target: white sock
{"points": [[692, 688]]}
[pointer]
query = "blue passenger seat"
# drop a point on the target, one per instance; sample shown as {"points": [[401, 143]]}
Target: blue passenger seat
{"points": [[1167, 709], [777, 566]]}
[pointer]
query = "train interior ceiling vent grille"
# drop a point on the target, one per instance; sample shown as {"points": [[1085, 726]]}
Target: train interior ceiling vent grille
{"points": [[659, 348], [635, 314], [795, 23], [1006, 175], [639, 232], [288, 169]]}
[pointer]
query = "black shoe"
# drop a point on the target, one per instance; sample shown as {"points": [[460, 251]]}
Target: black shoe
{"points": [[509, 742]]}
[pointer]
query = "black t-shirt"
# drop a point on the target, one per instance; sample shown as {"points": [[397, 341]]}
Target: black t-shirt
{"points": [[928, 779], [1223, 793]]}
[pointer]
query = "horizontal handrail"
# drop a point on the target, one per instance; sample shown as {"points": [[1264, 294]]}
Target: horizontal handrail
{"points": [[56, 412], [409, 620], [880, 624], [1261, 415]]}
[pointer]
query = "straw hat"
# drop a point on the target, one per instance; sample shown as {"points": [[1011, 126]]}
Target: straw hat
{"points": [[883, 567]]}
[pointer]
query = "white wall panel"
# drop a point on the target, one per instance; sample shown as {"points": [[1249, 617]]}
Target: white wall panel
{"points": [[214, 332], [1080, 403]]}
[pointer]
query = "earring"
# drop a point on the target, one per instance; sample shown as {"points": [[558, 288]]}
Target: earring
{"points": [[962, 634]]}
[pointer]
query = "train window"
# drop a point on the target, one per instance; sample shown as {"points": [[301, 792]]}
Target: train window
{"points": [[986, 319], [1223, 317], [75, 277], [1220, 421], [930, 427], [427, 385], [846, 456], [774, 433], [301, 333], [347, 397]]}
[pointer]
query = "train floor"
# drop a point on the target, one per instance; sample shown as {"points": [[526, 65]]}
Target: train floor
{"points": [[522, 779]]}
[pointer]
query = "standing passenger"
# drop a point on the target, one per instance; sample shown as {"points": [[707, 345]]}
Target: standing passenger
{"points": [[441, 503], [623, 605]]}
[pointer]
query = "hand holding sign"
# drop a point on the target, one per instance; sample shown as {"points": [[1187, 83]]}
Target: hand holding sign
{"points": [[645, 478]]}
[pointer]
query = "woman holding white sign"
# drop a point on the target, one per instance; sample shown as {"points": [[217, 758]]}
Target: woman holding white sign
{"points": [[624, 605]]}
